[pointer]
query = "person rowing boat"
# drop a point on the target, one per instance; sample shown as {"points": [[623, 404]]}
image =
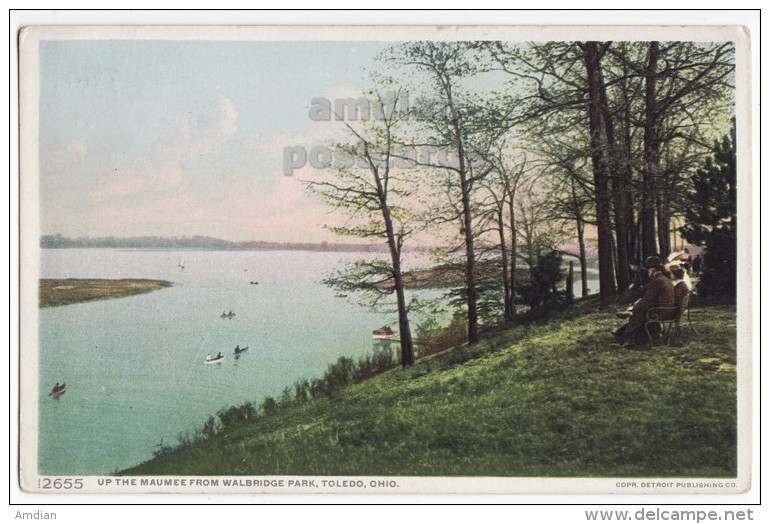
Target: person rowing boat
{"points": [[218, 358], [58, 390]]}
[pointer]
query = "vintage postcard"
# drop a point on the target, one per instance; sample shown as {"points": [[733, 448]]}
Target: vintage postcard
{"points": [[385, 260]]}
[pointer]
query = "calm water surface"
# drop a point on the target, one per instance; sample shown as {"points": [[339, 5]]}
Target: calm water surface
{"points": [[134, 366]]}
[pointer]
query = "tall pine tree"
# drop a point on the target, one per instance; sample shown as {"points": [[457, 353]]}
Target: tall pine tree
{"points": [[712, 219]]}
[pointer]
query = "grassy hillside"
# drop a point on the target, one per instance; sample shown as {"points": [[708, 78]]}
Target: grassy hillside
{"points": [[547, 400]]}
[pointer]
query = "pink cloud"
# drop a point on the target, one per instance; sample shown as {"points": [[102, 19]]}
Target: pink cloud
{"points": [[64, 156], [151, 174]]}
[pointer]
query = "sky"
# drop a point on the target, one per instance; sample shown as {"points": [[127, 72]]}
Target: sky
{"points": [[191, 137], [182, 138]]}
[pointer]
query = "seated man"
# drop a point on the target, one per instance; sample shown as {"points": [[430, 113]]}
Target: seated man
{"points": [[658, 292], [639, 279], [636, 289]]}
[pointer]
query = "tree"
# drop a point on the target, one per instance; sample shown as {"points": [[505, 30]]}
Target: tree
{"points": [[651, 106], [559, 89], [592, 54], [687, 91], [571, 199], [507, 174], [540, 291], [712, 219], [449, 126], [368, 188]]}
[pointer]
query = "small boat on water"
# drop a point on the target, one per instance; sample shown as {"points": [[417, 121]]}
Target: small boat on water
{"points": [[229, 314], [384, 333], [239, 350], [213, 360], [181, 263], [253, 282], [58, 390], [341, 295]]}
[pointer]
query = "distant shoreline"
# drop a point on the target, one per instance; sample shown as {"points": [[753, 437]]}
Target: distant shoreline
{"points": [[65, 291], [200, 243]]}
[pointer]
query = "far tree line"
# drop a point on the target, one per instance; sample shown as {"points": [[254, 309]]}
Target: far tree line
{"points": [[549, 144]]}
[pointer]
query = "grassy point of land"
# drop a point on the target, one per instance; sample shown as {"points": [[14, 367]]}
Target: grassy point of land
{"points": [[555, 399], [63, 291]]}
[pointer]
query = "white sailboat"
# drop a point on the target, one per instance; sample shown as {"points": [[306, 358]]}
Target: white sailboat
{"points": [[181, 263]]}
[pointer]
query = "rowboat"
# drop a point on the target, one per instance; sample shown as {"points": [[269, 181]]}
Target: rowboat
{"points": [[214, 360], [58, 391], [383, 333]]}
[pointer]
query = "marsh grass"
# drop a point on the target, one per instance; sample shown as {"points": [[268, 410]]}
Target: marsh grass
{"points": [[555, 399], [64, 291]]}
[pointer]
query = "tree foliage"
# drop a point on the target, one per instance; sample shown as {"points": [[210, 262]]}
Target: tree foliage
{"points": [[587, 144], [712, 219]]}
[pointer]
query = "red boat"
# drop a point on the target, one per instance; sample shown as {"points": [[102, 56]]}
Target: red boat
{"points": [[384, 332]]}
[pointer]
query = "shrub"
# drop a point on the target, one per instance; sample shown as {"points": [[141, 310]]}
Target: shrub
{"points": [[434, 338], [235, 416], [269, 405]]}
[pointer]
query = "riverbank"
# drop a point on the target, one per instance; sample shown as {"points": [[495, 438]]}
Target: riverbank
{"points": [[64, 291], [556, 399]]}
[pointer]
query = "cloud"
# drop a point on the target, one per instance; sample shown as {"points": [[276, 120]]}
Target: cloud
{"points": [[217, 122], [342, 91], [173, 132], [169, 189], [178, 139], [241, 211], [285, 212], [64, 156], [145, 175]]}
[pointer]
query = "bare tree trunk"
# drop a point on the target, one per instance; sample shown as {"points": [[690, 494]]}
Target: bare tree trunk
{"points": [[625, 179], [529, 241], [604, 226], [467, 226], [404, 332], [664, 223], [580, 223], [514, 247], [470, 254], [618, 193], [650, 172], [394, 246], [470, 259], [504, 252], [583, 262]]}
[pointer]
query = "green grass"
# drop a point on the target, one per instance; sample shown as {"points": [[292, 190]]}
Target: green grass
{"points": [[555, 399]]}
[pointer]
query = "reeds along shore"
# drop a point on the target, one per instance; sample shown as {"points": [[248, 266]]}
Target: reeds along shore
{"points": [[60, 292]]}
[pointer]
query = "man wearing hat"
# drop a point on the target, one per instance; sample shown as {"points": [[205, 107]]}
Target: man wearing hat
{"points": [[658, 292]]}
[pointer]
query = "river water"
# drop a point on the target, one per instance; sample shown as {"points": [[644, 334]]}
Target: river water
{"points": [[134, 366]]}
